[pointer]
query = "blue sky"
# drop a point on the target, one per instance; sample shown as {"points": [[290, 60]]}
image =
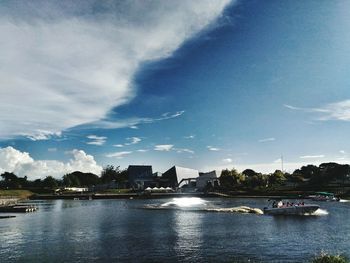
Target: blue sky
{"points": [[205, 85]]}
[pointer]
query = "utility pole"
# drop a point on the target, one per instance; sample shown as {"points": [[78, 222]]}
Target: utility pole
{"points": [[282, 162]]}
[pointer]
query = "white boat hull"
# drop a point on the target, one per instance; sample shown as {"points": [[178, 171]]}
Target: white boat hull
{"points": [[292, 210]]}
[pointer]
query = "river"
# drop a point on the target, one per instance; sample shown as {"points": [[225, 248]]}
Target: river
{"points": [[124, 231]]}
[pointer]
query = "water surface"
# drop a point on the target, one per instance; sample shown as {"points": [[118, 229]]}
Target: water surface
{"points": [[122, 231]]}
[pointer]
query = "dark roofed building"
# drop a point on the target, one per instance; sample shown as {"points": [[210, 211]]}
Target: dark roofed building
{"points": [[140, 176]]}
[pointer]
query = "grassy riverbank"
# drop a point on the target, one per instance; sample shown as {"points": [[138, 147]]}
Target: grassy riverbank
{"points": [[20, 194]]}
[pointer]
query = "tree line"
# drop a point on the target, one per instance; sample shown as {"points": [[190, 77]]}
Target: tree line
{"points": [[109, 174], [308, 175]]}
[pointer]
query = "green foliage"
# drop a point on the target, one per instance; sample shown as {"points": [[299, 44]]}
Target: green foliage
{"points": [[50, 182], [277, 178], [78, 179], [230, 178], [113, 173], [10, 180], [325, 258]]}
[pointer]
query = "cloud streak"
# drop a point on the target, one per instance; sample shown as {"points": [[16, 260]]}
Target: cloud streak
{"points": [[339, 111], [163, 147], [267, 140], [214, 149], [118, 155], [96, 140], [312, 156], [74, 65]]}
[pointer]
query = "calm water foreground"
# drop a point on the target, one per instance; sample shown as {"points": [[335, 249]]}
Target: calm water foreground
{"points": [[122, 231]]}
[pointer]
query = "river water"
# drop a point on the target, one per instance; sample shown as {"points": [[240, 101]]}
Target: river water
{"points": [[124, 231]]}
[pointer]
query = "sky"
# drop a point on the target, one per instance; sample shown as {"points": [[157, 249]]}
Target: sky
{"points": [[200, 84]]}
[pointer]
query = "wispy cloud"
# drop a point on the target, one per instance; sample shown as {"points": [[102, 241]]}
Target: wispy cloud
{"points": [[333, 111], [42, 135], [133, 140], [142, 150], [267, 140], [96, 140], [211, 148], [227, 160], [312, 156], [118, 155], [52, 149], [190, 137], [183, 150], [130, 122], [163, 147], [118, 145], [64, 82]]}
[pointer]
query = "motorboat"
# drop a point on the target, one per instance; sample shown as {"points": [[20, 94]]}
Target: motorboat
{"points": [[280, 207], [324, 196]]}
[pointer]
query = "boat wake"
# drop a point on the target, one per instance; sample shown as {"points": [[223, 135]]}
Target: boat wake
{"points": [[195, 204], [319, 212], [238, 209]]}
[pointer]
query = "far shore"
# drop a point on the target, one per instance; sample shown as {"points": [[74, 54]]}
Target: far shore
{"points": [[11, 195]]}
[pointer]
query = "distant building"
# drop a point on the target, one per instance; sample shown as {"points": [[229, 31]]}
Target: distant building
{"points": [[178, 176], [76, 189], [140, 176], [208, 179]]}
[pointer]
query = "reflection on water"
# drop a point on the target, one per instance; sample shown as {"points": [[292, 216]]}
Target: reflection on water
{"points": [[188, 234], [185, 202], [117, 230]]}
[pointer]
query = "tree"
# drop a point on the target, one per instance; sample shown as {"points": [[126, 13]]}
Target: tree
{"points": [[78, 179], [277, 177], [110, 173], [50, 182], [10, 180], [229, 179], [249, 173]]}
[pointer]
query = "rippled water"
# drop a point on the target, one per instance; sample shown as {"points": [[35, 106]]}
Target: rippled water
{"points": [[123, 231]]}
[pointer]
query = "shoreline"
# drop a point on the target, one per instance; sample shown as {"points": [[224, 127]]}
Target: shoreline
{"points": [[97, 196]]}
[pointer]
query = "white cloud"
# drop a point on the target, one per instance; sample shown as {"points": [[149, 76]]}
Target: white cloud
{"points": [[163, 147], [52, 149], [333, 111], [184, 150], [22, 164], [130, 122], [312, 156], [342, 152], [42, 135], [118, 145], [190, 137], [279, 160], [142, 150], [267, 140], [118, 155], [73, 66], [227, 160], [96, 140], [211, 148], [133, 140]]}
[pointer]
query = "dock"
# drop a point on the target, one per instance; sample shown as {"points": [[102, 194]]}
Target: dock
{"points": [[17, 208]]}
